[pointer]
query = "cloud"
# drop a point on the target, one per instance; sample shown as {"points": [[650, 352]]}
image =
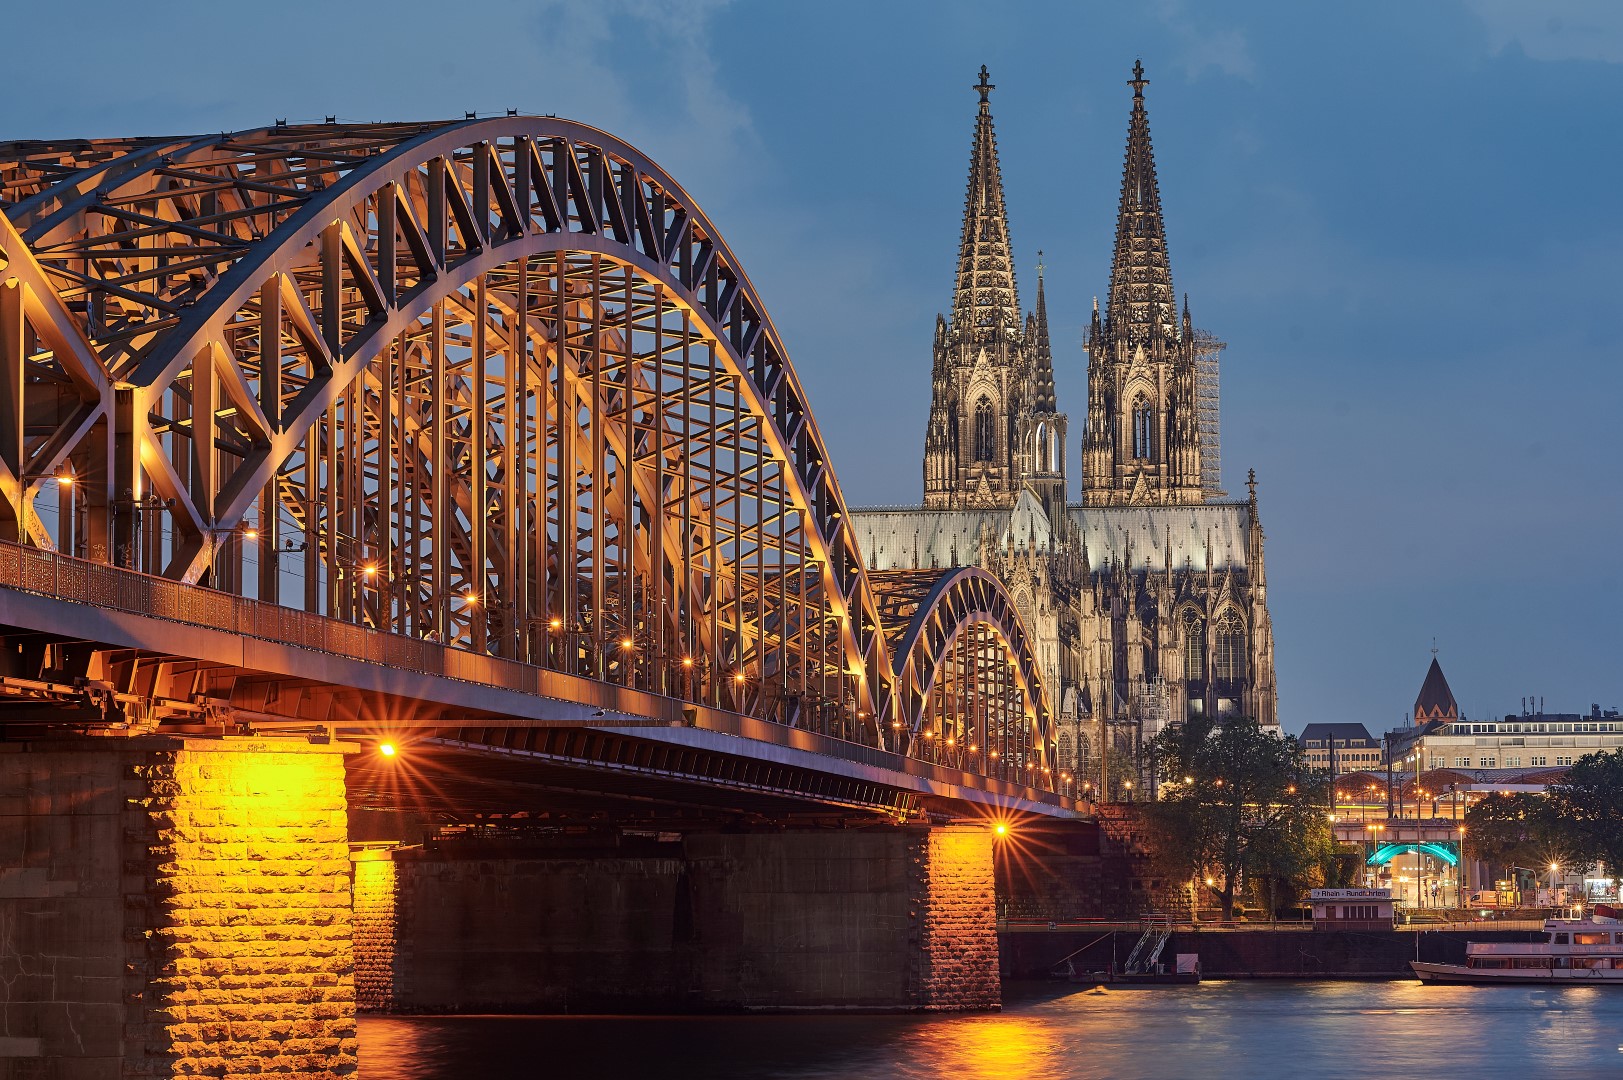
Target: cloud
{"points": [[1554, 29], [669, 100], [1201, 48]]}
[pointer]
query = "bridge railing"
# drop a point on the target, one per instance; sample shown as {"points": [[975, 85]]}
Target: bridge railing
{"points": [[65, 577]]}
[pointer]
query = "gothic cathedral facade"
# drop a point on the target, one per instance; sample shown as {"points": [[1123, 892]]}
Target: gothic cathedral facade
{"points": [[1147, 597]]}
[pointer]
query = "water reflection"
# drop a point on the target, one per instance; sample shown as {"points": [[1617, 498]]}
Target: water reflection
{"points": [[1254, 1030]]}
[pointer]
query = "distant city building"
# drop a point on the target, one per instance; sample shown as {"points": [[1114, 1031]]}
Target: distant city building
{"points": [[1340, 749], [1147, 598], [1441, 738]]}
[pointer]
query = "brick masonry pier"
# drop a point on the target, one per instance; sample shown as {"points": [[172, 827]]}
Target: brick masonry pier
{"points": [[884, 918], [174, 906]]}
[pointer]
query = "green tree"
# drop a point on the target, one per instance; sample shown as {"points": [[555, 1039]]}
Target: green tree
{"points": [[1236, 802], [1587, 807]]}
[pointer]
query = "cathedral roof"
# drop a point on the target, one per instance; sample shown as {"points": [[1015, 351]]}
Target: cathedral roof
{"points": [[1140, 535], [910, 537], [985, 298], [1436, 700], [1043, 397], [1140, 271]]}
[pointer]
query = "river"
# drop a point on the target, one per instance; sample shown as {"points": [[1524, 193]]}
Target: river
{"points": [[1254, 1030]]}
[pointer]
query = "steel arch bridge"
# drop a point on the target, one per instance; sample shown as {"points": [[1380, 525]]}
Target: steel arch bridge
{"points": [[426, 394]]}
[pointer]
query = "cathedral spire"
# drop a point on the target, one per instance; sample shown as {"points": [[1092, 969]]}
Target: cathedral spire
{"points": [[1142, 301], [985, 300], [1044, 399]]}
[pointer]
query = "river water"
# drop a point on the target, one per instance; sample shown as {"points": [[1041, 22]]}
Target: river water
{"points": [[1253, 1030]]}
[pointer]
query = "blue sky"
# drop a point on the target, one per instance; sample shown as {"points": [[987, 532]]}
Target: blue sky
{"points": [[1403, 218]]}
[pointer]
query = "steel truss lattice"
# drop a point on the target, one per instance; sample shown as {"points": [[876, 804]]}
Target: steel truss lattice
{"points": [[498, 384]]}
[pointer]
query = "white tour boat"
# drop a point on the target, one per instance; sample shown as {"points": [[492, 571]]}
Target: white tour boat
{"points": [[1584, 952]]}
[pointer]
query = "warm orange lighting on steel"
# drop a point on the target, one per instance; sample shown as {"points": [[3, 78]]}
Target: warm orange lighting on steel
{"points": [[627, 644], [738, 677], [556, 624], [687, 661]]}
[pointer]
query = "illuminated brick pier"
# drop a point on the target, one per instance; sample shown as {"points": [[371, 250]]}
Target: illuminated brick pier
{"points": [[174, 906]]}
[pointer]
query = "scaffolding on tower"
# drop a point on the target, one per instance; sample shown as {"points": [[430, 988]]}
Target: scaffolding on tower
{"points": [[1207, 352]]}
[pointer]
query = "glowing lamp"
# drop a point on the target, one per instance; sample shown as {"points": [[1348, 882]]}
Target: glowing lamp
{"points": [[386, 749]]}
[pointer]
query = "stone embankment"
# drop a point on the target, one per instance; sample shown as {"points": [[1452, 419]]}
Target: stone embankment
{"points": [[1034, 952]]}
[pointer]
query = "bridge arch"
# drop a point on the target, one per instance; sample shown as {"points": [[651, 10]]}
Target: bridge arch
{"points": [[500, 383], [967, 672]]}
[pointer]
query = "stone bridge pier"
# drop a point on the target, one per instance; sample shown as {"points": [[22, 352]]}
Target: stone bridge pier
{"points": [[174, 906], [880, 918]]}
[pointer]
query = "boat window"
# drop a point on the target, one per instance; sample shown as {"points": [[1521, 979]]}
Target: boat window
{"points": [[1558, 939], [1591, 939]]}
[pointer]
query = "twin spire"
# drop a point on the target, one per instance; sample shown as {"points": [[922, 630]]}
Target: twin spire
{"points": [[1141, 298], [985, 301], [1142, 301]]}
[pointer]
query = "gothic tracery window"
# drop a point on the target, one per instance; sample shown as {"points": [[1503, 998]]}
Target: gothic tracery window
{"points": [[1194, 648], [1228, 648], [1142, 424], [983, 430]]}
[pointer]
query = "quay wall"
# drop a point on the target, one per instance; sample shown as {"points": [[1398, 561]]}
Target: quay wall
{"points": [[1248, 954]]}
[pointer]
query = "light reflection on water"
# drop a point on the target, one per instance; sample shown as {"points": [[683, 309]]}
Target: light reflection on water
{"points": [[1254, 1030]]}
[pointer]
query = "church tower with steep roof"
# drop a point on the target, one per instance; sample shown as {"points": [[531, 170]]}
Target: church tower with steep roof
{"points": [[1142, 445], [995, 428]]}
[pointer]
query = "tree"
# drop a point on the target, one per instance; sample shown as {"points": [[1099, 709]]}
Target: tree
{"points": [[1236, 801], [1588, 808], [1521, 829]]}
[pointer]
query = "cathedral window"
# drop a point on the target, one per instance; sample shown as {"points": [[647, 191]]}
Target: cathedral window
{"points": [[1042, 449], [983, 430], [1194, 648], [1142, 426], [1228, 661]]}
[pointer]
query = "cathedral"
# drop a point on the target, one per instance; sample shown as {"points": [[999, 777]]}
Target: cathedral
{"points": [[1147, 595]]}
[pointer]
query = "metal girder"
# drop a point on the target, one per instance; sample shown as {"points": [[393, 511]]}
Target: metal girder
{"points": [[497, 384]]}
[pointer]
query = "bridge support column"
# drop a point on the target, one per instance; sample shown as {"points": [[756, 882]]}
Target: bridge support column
{"points": [[879, 918], [957, 920], [174, 906]]}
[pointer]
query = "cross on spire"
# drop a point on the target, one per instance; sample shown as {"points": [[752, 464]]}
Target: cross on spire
{"points": [[984, 86], [1138, 82]]}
